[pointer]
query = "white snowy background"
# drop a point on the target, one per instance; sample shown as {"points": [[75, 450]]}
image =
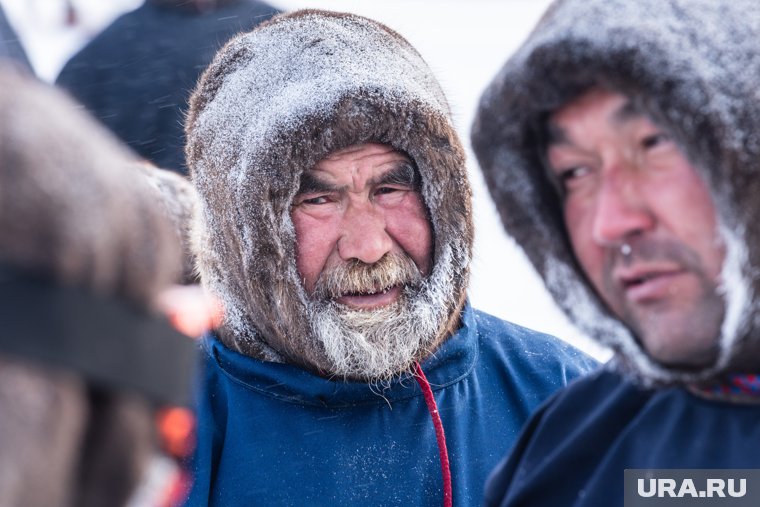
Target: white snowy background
{"points": [[465, 42]]}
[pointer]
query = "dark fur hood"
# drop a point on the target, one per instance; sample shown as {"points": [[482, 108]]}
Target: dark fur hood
{"points": [[272, 104], [694, 66]]}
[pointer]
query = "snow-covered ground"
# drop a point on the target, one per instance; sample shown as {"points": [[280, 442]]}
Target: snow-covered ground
{"points": [[464, 41]]}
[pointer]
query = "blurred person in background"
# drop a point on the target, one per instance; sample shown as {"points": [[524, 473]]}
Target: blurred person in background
{"points": [[621, 144], [335, 224], [11, 48], [86, 362], [136, 76]]}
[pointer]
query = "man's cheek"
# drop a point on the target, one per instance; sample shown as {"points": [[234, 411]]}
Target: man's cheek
{"points": [[598, 268]]}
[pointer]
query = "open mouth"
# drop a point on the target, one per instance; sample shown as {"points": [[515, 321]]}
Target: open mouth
{"points": [[649, 286], [367, 300], [634, 282], [368, 293]]}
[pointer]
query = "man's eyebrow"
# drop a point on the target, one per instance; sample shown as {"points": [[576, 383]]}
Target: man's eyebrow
{"points": [[554, 134], [404, 174], [310, 184], [628, 111]]}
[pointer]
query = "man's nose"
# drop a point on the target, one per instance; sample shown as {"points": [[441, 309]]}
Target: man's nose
{"points": [[622, 210], [364, 236]]}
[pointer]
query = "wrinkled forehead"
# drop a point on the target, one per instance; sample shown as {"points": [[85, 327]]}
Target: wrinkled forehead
{"points": [[363, 151], [367, 163]]}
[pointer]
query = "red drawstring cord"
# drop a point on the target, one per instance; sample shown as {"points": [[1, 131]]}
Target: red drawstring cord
{"points": [[427, 393]]}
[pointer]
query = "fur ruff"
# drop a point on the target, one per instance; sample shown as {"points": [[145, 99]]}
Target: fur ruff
{"points": [[274, 102], [180, 201]]}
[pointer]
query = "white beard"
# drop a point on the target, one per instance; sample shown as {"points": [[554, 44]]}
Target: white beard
{"points": [[378, 344]]}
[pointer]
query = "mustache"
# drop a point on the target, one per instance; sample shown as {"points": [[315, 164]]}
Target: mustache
{"points": [[654, 250], [357, 277], [646, 250]]}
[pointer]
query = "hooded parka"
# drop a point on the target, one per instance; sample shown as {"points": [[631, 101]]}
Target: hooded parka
{"points": [[274, 426], [692, 66]]}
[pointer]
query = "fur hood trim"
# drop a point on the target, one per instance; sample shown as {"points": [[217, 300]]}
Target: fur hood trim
{"points": [[180, 201], [274, 102]]}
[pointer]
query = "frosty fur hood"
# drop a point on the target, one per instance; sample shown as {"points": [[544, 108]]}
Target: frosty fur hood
{"points": [[693, 65], [179, 200], [272, 104]]}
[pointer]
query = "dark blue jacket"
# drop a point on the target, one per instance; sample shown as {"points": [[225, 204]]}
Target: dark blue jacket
{"points": [[274, 434], [137, 75], [574, 450]]}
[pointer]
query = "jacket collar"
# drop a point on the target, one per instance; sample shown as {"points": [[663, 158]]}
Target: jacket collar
{"points": [[452, 362], [734, 388]]}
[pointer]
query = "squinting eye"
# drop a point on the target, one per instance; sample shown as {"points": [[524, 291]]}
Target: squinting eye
{"points": [[572, 173], [386, 190], [655, 139], [321, 199]]}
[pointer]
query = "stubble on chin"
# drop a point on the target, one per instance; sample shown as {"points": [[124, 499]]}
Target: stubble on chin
{"points": [[681, 330]]}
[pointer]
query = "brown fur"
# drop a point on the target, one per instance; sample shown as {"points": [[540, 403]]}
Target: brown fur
{"points": [[257, 279], [180, 201], [75, 211], [72, 204]]}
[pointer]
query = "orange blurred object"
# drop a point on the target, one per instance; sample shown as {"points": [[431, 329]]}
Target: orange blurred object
{"points": [[176, 428], [190, 309]]}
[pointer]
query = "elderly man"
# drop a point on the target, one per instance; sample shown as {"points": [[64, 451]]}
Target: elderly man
{"points": [[621, 144], [335, 225]]}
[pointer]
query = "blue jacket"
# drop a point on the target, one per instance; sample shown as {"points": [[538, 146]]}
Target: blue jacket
{"points": [[574, 450], [274, 434]]}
